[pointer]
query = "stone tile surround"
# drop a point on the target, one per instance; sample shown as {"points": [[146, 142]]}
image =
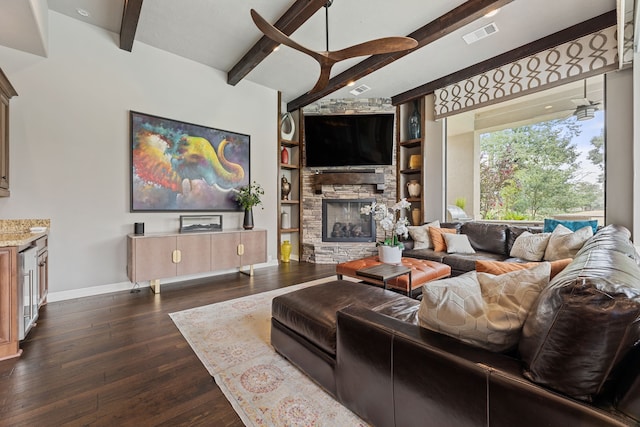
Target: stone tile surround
{"points": [[313, 248]]}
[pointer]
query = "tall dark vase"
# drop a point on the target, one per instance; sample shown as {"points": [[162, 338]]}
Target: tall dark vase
{"points": [[248, 219], [414, 122]]}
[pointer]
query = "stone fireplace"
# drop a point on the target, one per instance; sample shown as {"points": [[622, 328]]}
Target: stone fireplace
{"points": [[343, 222], [331, 185]]}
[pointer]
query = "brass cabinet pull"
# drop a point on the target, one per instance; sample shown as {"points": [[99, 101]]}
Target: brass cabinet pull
{"points": [[176, 256], [240, 249]]}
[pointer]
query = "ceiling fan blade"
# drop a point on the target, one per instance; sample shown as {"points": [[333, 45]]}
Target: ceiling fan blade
{"points": [[323, 80], [279, 37], [374, 47]]}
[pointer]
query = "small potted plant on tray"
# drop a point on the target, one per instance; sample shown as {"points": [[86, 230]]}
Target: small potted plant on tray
{"points": [[394, 224]]}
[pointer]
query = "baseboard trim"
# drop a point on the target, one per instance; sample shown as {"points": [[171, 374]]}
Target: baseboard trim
{"points": [[125, 286]]}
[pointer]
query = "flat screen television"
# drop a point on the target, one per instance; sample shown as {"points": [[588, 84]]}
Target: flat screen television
{"points": [[349, 140]]}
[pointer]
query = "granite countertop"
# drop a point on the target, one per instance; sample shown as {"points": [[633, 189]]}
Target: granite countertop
{"points": [[15, 232]]}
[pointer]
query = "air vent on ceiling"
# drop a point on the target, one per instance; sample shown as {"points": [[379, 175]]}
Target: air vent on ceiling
{"points": [[360, 89], [481, 33]]}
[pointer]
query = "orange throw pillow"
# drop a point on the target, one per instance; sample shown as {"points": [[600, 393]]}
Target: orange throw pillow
{"points": [[439, 244], [500, 267]]}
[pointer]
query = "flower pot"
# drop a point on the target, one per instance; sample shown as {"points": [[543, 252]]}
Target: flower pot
{"points": [[390, 254], [413, 187], [284, 155], [247, 224]]}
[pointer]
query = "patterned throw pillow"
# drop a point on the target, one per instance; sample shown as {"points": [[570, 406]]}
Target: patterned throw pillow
{"points": [[435, 233], [458, 244], [501, 267], [482, 309], [530, 246], [565, 243], [420, 235]]}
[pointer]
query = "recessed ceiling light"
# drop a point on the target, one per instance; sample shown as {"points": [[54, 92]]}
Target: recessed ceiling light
{"points": [[351, 83], [82, 12], [548, 107], [494, 12], [277, 48]]}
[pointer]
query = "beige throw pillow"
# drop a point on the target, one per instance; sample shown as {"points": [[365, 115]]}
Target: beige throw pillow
{"points": [[420, 235], [530, 246], [565, 243], [482, 309], [458, 244]]}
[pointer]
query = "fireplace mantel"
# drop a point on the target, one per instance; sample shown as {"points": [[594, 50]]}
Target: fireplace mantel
{"points": [[349, 178]]}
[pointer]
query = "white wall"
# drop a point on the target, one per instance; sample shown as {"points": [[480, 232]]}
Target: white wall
{"points": [[70, 157], [619, 167], [461, 167]]}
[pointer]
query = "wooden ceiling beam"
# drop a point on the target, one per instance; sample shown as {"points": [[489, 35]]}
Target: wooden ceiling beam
{"points": [[129, 24], [292, 19], [462, 15], [571, 33]]}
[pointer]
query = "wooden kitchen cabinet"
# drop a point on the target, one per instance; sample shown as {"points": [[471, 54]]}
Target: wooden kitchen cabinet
{"points": [[43, 268], [161, 256], [9, 341], [6, 93]]}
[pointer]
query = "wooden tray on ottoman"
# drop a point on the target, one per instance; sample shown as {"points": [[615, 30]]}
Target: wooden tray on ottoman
{"points": [[422, 271]]}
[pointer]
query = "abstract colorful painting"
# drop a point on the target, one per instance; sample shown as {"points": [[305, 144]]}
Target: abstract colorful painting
{"points": [[177, 166]]}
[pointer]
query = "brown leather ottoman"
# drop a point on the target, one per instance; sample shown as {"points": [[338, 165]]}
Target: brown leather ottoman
{"points": [[422, 271], [303, 322]]}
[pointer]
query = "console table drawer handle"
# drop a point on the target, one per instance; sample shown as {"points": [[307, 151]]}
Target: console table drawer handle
{"points": [[176, 256], [240, 249]]}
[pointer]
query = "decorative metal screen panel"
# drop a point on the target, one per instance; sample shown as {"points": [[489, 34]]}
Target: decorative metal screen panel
{"points": [[589, 55]]}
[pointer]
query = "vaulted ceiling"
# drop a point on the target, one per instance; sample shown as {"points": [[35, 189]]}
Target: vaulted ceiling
{"points": [[221, 34]]}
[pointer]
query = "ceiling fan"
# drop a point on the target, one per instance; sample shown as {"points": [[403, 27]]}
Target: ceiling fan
{"points": [[328, 58], [585, 108]]}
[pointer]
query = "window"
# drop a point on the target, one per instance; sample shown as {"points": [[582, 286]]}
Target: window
{"points": [[530, 158]]}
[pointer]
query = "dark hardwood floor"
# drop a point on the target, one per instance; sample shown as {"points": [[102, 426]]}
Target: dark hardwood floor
{"points": [[118, 359]]}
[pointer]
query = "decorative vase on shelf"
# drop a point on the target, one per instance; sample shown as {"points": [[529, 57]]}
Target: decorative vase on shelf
{"points": [[284, 220], [287, 126], [416, 216], [247, 224], [414, 122], [415, 161], [390, 254], [285, 188], [285, 251], [413, 187], [284, 155]]}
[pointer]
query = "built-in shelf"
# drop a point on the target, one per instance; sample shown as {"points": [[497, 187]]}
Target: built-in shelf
{"points": [[289, 229], [411, 143], [288, 166], [410, 171]]}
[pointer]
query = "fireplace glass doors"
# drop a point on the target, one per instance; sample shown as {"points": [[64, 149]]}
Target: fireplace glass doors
{"points": [[343, 222]]}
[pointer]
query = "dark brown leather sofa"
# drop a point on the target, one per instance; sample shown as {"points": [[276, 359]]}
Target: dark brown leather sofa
{"points": [[578, 362], [491, 241]]}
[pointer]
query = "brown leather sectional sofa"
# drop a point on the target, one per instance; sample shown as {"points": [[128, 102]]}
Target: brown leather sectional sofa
{"points": [[577, 364], [491, 241]]}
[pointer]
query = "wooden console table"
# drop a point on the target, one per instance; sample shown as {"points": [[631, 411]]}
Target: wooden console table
{"points": [[156, 256]]}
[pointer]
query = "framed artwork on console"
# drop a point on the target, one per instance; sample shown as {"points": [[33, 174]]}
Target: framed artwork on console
{"points": [[178, 166]]}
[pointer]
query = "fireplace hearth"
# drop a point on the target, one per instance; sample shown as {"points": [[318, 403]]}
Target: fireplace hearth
{"points": [[343, 222]]}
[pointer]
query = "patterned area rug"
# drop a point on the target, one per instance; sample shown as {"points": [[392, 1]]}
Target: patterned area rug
{"points": [[232, 340]]}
